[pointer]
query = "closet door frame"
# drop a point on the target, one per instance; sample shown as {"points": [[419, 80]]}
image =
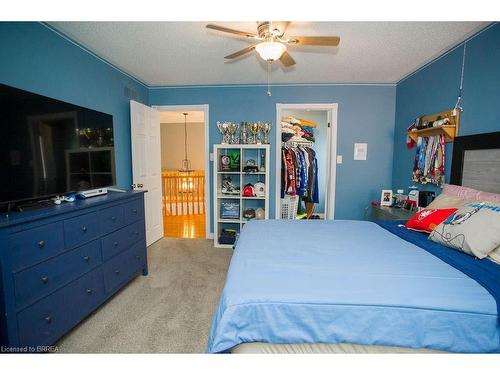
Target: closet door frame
{"points": [[331, 157]]}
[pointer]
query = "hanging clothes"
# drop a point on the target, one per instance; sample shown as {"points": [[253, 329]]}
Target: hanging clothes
{"points": [[299, 173], [429, 162]]}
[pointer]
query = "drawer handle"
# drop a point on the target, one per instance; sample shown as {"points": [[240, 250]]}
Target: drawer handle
{"points": [[134, 210], [117, 272], [45, 279], [48, 319], [41, 243], [84, 228], [138, 257], [89, 291], [115, 244], [86, 258], [113, 218], [136, 232]]}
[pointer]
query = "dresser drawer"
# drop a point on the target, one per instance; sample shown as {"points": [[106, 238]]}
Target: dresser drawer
{"points": [[134, 211], [47, 320], [112, 218], [44, 278], [81, 229], [121, 240], [35, 245], [122, 267]]}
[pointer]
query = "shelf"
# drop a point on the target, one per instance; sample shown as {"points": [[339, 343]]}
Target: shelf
{"points": [[233, 146], [260, 154], [230, 221], [449, 132], [245, 221], [224, 246]]}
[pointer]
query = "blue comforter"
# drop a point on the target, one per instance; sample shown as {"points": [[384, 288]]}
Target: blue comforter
{"points": [[348, 281]]}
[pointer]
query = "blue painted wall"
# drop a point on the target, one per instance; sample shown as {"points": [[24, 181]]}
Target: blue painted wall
{"points": [[34, 58], [365, 114], [435, 89]]}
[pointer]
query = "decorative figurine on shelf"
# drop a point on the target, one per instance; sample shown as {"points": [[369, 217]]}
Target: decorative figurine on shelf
{"points": [[262, 162], [224, 129], [266, 129]]}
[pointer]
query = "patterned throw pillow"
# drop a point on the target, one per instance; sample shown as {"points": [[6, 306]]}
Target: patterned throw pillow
{"points": [[428, 219], [473, 229]]}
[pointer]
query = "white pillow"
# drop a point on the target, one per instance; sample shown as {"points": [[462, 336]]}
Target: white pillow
{"points": [[448, 201], [495, 255], [473, 229]]}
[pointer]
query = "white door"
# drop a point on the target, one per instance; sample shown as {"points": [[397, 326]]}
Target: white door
{"points": [[146, 165]]}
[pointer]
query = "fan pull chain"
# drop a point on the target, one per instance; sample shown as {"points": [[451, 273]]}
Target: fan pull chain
{"points": [[459, 99], [269, 78]]}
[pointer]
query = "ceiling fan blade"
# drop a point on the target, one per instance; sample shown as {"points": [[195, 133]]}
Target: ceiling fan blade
{"points": [[240, 52], [286, 59], [315, 40], [232, 31]]}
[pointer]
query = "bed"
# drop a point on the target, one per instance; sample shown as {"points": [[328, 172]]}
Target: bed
{"points": [[351, 286]]}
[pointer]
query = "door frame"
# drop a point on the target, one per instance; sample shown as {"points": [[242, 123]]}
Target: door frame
{"points": [[331, 156], [205, 109]]}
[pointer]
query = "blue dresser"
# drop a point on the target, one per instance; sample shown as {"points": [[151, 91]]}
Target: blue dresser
{"points": [[59, 264]]}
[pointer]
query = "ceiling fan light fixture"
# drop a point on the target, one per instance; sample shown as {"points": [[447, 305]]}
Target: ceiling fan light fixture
{"points": [[270, 51]]}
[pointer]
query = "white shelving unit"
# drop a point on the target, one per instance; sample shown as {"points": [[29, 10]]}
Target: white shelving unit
{"points": [[261, 155]]}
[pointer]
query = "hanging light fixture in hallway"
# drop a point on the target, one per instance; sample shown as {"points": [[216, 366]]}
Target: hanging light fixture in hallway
{"points": [[186, 163], [187, 181]]}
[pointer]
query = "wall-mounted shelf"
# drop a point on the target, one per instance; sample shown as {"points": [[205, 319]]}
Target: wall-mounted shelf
{"points": [[449, 131]]}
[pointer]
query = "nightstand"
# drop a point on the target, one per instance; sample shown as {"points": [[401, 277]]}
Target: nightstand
{"points": [[389, 213]]}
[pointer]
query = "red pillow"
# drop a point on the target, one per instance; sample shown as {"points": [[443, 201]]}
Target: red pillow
{"points": [[429, 218]]}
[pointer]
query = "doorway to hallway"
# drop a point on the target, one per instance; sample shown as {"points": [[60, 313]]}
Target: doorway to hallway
{"points": [[183, 173]]}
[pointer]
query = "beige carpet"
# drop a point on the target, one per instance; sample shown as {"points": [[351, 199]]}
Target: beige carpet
{"points": [[169, 311]]}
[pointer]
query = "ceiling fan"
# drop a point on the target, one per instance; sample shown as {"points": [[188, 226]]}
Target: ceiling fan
{"points": [[271, 43]]}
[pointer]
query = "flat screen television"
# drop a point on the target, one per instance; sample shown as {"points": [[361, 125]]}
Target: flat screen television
{"points": [[49, 147]]}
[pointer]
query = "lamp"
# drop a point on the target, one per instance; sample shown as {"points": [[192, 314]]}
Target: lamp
{"points": [[270, 51], [186, 163]]}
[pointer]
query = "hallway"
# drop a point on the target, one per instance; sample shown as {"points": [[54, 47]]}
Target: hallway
{"points": [[184, 226]]}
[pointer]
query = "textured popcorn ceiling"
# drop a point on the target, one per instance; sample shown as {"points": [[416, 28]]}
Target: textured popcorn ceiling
{"points": [[186, 53]]}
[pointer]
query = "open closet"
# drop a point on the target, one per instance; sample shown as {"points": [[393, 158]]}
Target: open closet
{"points": [[306, 184]]}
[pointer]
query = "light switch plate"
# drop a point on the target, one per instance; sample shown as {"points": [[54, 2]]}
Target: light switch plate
{"points": [[339, 159], [211, 156], [360, 151]]}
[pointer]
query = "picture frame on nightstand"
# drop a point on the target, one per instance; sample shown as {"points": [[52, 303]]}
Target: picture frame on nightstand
{"points": [[386, 198]]}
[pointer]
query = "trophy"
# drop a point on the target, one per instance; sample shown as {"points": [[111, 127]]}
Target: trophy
{"points": [[244, 133], [254, 128], [224, 129], [266, 129], [233, 129]]}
